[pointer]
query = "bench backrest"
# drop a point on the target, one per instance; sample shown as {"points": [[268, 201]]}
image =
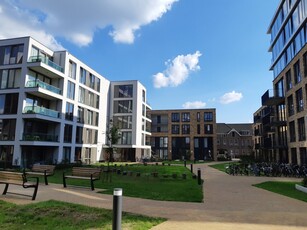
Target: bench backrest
{"points": [[86, 172], [12, 177], [42, 168]]}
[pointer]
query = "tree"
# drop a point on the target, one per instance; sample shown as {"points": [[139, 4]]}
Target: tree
{"points": [[113, 136]]}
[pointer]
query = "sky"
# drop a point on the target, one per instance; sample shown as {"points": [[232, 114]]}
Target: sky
{"points": [[187, 53]]}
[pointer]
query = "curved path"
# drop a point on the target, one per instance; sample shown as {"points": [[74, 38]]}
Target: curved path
{"points": [[230, 202]]}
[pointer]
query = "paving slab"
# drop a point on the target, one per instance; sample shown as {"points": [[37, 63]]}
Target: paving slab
{"points": [[230, 202]]}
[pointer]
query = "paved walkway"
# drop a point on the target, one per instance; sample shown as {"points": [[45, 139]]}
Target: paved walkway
{"points": [[230, 203]]}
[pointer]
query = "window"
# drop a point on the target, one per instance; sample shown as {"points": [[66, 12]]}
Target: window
{"points": [[301, 129], [185, 117], [72, 69], [89, 117], [299, 100], [69, 114], [68, 133], [70, 90], [123, 122], [97, 84], [289, 80], [66, 154], [297, 73], [292, 131], [185, 129], [91, 99], [80, 118], [81, 95], [123, 91], [198, 128], [92, 81], [82, 76], [163, 142], [143, 96], [88, 155], [8, 103], [175, 129], [11, 54], [175, 117], [126, 138], [208, 116], [305, 64], [208, 129], [290, 105], [198, 116], [7, 129], [123, 106], [79, 135], [10, 78]]}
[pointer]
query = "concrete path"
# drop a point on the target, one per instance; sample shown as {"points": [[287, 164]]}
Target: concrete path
{"points": [[230, 202]]}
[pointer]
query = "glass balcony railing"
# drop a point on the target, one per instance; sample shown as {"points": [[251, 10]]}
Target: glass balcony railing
{"points": [[41, 84], [47, 61], [39, 137], [42, 111]]}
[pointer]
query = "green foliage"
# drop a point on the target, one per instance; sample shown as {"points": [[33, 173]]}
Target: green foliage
{"points": [[283, 188], [61, 215], [304, 182]]}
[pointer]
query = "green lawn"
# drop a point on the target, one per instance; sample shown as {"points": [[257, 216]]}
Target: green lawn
{"points": [[283, 188], [163, 187], [60, 215], [221, 166]]}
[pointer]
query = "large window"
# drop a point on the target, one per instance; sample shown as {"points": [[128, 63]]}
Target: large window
{"points": [[72, 69], [8, 103], [292, 131], [185, 117], [70, 90], [81, 95], [68, 133], [208, 128], [208, 116], [123, 122], [126, 138], [7, 129], [301, 129], [10, 78], [123, 91], [69, 114], [82, 76], [299, 100], [297, 73], [289, 80], [11, 54], [80, 117], [175, 117], [185, 129], [90, 117], [79, 135], [175, 129], [123, 106], [290, 105]]}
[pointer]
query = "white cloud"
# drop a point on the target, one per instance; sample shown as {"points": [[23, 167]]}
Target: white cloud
{"points": [[77, 21], [177, 70], [194, 105], [231, 97]]}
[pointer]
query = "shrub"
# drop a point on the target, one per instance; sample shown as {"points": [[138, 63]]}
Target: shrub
{"points": [[305, 182]]}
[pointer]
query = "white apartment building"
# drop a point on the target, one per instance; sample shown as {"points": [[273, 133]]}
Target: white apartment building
{"points": [[54, 108]]}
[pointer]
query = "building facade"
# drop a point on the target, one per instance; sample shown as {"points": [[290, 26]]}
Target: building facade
{"points": [[54, 108], [235, 140], [183, 134], [283, 112]]}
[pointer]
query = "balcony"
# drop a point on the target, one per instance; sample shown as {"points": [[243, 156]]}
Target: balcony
{"points": [[41, 111], [257, 119], [39, 137], [43, 85], [47, 61], [271, 97]]}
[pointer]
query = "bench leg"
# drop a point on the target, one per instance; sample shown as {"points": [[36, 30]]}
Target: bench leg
{"points": [[46, 180], [35, 192], [5, 189], [64, 181], [92, 185]]}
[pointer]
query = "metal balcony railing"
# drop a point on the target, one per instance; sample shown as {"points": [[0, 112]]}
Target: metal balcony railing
{"points": [[39, 137], [47, 61], [41, 84], [41, 110]]}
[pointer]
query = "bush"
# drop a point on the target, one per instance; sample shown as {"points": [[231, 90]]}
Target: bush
{"points": [[305, 182]]}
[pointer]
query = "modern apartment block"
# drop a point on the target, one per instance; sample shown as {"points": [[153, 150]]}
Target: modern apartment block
{"points": [[184, 134], [54, 108], [235, 140], [283, 112]]}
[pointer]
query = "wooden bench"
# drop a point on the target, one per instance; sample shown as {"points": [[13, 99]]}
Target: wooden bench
{"points": [[42, 170], [83, 173], [17, 178]]}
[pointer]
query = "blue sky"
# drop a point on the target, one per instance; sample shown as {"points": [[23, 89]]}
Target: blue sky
{"points": [[187, 53]]}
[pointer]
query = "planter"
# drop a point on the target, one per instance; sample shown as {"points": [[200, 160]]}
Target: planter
{"points": [[301, 188]]}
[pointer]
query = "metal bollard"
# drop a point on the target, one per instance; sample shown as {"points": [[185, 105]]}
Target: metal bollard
{"points": [[191, 168], [117, 209], [199, 176], [185, 163]]}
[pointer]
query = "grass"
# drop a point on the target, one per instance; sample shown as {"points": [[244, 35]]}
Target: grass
{"points": [[61, 215], [221, 166], [283, 188], [163, 187], [181, 162]]}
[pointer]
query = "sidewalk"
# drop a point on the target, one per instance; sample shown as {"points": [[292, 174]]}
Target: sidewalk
{"points": [[230, 202]]}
